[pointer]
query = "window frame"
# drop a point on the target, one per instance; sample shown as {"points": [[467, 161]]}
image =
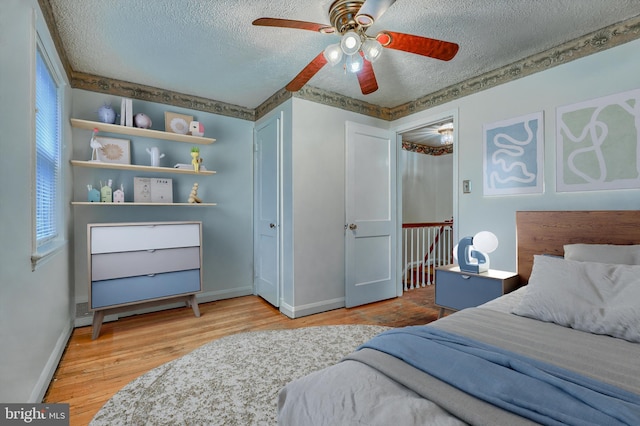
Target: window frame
{"points": [[44, 249]]}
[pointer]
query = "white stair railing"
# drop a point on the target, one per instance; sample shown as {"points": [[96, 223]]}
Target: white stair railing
{"points": [[424, 247]]}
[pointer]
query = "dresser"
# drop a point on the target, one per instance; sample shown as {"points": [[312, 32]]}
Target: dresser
{"points": [[136, 265], [457, 290]]}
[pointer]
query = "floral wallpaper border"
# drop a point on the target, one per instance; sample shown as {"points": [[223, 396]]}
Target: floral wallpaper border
{"points": [[605, 38], [428, 150]]}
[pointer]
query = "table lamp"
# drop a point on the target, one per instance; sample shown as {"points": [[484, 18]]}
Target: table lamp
{"points": [[472, 252]]}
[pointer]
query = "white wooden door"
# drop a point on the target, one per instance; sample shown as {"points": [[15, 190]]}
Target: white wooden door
{"points": [[266, 211], [370, 215]]}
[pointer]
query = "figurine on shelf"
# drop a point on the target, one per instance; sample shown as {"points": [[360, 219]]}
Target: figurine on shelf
{"points": [[195, 160], [95, 146], [106, 114], [105, 192], [193, 196], [142, 121], [196, 128], [155, 156], [93, 195], [118, 195]]}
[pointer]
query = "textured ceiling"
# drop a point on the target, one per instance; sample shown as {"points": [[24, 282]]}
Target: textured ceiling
{"points": [[209, 48]]}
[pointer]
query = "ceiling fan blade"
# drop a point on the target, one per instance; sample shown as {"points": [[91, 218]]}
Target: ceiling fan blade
{"points": [[305, 75], [289, 23], [371, 10], [424, 46], [367, 78]]}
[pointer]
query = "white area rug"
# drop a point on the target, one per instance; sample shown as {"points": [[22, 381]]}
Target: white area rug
{"points": [[233, 380]]}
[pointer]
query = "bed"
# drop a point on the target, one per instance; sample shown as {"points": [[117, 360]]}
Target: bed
{"points": [[562, 349]]}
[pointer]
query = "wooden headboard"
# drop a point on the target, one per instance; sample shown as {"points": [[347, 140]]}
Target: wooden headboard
{"points": [[546, 232]]}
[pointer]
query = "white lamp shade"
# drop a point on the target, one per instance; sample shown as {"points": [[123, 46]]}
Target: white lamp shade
{"points": [[485, 241], [333, 54], [354, 63], [350, 42], [372, 49]]}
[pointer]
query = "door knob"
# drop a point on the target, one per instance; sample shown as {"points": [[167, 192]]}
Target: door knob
{"points": [[272, 225], [353, 226]]}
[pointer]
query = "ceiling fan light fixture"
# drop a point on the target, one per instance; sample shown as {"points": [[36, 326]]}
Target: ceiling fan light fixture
{"points": [[333, 54], [364, 20], [350, 42], [372, 49], [354, 63]]}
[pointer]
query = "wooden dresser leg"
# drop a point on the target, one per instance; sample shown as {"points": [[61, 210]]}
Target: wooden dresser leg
{"points": [[98, 316], [194, 305]]}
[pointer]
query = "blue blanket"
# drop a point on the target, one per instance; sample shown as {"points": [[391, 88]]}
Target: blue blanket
{"points": [[530, 388]]}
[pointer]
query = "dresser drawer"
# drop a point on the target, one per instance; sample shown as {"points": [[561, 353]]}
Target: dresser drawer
{"points": [[129, 264], [459, 290], [109, 239], [109, 293]]}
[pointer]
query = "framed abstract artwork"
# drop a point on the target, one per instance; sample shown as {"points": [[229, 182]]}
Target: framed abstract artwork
{"points": [[598, 144], [177, 123], [513, 155], [114, 150]]}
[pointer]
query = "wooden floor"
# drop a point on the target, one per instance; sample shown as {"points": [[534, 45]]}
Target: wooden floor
{"points": [[92, 371]]}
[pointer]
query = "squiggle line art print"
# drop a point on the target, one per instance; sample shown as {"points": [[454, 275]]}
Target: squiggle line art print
{"points": [[598, 144], [513, 156]]}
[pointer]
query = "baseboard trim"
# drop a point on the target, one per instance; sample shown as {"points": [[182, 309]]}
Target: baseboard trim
{"points": [[311, 308], [41, 386]]}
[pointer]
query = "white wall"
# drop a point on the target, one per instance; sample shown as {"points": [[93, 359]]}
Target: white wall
{"points": [[611, 71], [318, 205], [427, 182], [227, 227], [35, 312]]}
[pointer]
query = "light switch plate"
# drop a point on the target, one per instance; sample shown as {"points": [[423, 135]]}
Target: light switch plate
{"points": [[466, 186]]}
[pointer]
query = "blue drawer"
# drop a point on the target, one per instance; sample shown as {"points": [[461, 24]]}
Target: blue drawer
{"points": [[457, 290], [109, 293]]}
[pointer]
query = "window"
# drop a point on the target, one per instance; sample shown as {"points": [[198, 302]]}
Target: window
{"points": [[48, 171]]}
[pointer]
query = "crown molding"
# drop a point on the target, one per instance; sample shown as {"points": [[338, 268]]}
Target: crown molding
{"points": [[336, 100], [597, 41], [274, 100], [153, 94]]}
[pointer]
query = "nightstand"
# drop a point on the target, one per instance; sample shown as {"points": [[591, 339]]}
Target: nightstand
{"points": [[457, 290]]}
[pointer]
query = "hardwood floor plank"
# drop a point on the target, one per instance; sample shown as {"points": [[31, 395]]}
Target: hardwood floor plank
{"points": [[92, 371]]}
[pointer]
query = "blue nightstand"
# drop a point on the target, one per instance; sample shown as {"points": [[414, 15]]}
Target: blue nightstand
{"points": [[456, 290]]}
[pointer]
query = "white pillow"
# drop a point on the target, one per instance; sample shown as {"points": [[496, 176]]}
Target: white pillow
{"points": [[599, 298], [603, 253]]}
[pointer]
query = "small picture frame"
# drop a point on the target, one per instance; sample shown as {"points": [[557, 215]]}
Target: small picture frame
{"points": [[177, 123], [114, 150]]}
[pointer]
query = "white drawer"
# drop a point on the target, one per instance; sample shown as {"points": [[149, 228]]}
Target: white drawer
{"points": [[120, 238], [106, 266]]}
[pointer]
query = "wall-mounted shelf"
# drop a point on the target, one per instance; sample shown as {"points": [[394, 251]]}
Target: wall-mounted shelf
{"points": [[87, 203], [101, 165], [135, 131]]}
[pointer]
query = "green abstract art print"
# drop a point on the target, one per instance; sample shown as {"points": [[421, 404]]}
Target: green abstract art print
{"points": [[598, 144]]}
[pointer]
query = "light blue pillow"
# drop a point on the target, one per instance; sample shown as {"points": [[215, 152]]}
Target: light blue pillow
{"points": [[595, 297], [603, 253]]}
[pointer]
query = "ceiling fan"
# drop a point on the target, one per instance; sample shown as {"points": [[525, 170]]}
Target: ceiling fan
{"points": [[351, 19]]}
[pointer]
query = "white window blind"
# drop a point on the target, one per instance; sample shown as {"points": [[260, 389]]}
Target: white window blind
{"points": [[47, 153]]}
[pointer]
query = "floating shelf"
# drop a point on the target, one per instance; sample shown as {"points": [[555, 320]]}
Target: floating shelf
{"points": [[86, 203], [135, 131], [101, 165]]}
